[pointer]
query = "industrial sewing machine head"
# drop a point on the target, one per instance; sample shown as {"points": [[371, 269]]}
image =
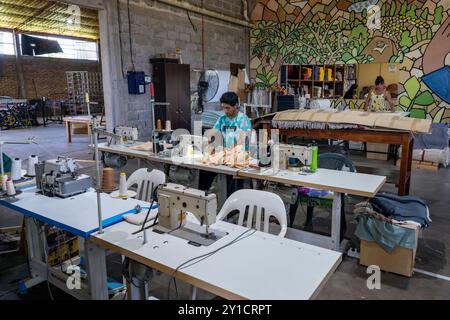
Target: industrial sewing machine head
{"points": [[191, 145], [128, 134], [59, 177], [291, 157], [175, 201]]}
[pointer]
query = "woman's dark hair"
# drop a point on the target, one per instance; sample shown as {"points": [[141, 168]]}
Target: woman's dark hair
{"points": [[230, 98], [379, 80], [351, 91]]}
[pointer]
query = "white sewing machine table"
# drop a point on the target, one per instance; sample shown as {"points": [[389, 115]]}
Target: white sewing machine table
{"points": [[77, 215], [190, 163], [260, 266], [339, 182]]}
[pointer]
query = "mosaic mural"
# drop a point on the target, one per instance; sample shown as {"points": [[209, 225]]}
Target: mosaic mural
{"points": [[415, 34]]}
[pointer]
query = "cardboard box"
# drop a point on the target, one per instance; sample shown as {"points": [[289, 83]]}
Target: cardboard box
{"points": [[380, 147], [399, 261], [237, 83]]}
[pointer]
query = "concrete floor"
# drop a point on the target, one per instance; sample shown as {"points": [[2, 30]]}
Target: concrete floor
{"points": [[348, 282]]}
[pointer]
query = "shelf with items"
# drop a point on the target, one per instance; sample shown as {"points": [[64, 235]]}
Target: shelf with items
{"points": [[321, 80]]}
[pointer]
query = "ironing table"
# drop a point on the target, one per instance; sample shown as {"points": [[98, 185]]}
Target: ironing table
{"points": [[77, 215]]}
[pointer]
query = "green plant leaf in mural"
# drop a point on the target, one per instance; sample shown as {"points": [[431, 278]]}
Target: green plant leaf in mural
{"points": [[392, 11], [418, 113], [418, 35], [438, 15], [406, 40], [397, 57], [424, 14], [429, 34], [412, 12], [404, 7], [360, 33], [424, 99], [346, 57], [405, 101], [383, 9], [412, 86], [272, 80], [438, 116]]}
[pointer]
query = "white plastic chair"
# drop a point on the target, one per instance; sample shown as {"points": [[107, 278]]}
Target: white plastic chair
{"points": [[255, 202], [146, 182]]}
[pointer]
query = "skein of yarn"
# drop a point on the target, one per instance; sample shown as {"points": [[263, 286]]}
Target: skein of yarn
{"points": [[108, 179]]}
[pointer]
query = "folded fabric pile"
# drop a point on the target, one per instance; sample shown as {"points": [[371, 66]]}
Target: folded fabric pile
{"points": [[236, 157], [391, 220], [315, 193], [402, 208]]}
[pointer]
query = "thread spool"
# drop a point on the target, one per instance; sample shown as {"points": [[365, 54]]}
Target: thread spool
{"points": [[158, 124], [168, 125], [123, 185], [4, 179], [108, 179], [32, 160], [16, 169], [10, 190]]}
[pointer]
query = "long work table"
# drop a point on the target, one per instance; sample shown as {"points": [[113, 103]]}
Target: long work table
{"points": [[247, 264], [339, 182], [189, 163], [77, 215], [403, 138]]}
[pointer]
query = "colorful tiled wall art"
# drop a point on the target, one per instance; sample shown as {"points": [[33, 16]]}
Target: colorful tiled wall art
{"points": [[415, 34]]}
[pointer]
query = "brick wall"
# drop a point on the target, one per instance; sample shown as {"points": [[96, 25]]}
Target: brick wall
{"points": [[8, 82], [43, 76]]}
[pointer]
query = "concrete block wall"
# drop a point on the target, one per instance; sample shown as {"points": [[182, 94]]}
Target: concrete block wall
{"points": [[158, 28], [43, 76]]}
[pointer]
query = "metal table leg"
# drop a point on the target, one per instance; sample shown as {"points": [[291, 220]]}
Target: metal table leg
{"points": [[222, 194], [96, 271], [138, 289], [35, 251], [336, 222]]}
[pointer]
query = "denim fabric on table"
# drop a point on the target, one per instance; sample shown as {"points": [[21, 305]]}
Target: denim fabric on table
{"points": [[402, 208]]}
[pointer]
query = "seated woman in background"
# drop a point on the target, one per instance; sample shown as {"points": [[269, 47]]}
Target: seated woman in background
{"points": [[351, 93], [379, 99]]}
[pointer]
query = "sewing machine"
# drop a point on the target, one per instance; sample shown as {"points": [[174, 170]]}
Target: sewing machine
{"points": [[175, 201], [128, 134], [291, 157], [58, 177], [190, 145]]}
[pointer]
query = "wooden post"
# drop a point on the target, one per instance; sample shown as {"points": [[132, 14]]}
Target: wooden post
{"points": [[68, 132]]}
